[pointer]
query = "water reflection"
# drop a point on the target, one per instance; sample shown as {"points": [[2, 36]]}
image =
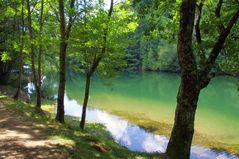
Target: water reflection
{"points": [[134, 137]]}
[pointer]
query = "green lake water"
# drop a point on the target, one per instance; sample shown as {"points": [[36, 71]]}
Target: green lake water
{"points": [[153, 96]]}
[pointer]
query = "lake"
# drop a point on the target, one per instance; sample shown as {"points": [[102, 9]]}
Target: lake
{"points": [[152, 97]]}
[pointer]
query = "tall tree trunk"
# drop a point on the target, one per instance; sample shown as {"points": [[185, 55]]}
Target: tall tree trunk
{"points": [[38, 105], [16, 96], [32, 47], [65, 34], [86, 97], [181, 137], [63, 45], [182, 134], [94, 65], [192, 80]]}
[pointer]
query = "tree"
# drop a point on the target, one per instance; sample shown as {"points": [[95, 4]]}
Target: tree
{"points": [[38, 104], [193, 79], [94, 65], [65, 34], [35, 78], [38, 76], [22, 33], [99, 41]]}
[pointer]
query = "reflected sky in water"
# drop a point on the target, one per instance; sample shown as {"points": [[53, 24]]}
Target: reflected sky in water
{"points": [[134, 137]]}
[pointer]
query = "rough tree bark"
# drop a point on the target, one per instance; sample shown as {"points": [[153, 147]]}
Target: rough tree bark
{"points": [[65, 34], [192, 81], [183, 129], [93, 68], [19, 88]]}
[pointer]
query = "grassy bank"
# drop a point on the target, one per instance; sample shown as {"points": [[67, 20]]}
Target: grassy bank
{"points": [[93, 142]]}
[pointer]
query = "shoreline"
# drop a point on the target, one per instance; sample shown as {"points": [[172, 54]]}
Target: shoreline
{"points": [[164, 129], [93, 142]]}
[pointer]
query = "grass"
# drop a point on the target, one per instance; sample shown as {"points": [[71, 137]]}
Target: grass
{"points": [[84, 144]]}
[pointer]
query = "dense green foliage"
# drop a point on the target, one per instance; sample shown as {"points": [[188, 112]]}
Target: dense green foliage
{"points": [[155, 37], [87, 40], [151, 45]]}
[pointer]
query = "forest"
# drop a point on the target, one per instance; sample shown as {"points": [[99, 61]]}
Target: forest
{"points": [[119, 79]]}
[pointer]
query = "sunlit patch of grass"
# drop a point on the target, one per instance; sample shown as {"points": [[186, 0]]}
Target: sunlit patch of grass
{"points": [[2, 96], [49, 106], [63, 139]]}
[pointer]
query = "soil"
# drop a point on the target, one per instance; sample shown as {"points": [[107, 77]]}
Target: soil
{"points": [[20, 138]]}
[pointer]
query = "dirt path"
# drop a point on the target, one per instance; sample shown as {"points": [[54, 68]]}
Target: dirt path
{"points": [[19, 138]]}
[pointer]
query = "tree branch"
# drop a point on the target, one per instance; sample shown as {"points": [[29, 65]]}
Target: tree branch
{"points": [[218, 9], [204, 73], [71, 21], [54, 10], [98, 59], [218, 14], [197, 26], [201, 52]]}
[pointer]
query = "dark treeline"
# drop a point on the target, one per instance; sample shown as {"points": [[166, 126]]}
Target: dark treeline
{"points": [[195, 38]]}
